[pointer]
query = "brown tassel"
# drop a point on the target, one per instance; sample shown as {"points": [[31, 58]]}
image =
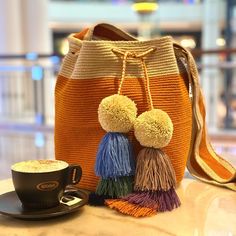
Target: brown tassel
{"points": [[154, 171]]}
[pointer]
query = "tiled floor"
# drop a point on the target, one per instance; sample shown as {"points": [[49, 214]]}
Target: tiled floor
{"points": [[23, 144]]}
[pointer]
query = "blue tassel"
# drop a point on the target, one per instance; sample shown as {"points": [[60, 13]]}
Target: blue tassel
{"points": [[115, 156]]}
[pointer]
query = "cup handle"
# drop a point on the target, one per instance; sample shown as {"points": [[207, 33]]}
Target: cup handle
{"points": [[74, 174]]}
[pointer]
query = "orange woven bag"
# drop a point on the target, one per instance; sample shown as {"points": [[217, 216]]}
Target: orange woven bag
{"points": [[91, 71]]}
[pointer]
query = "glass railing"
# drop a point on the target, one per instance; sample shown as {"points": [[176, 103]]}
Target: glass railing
{"points": [[218, 79], [27, 88]]}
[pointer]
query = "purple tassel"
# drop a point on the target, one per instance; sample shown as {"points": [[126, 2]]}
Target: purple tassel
{"points": [[158, 200], [143, 199], [167, 200]]}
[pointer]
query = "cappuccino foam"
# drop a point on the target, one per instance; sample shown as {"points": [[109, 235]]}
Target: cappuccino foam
{"points": [[39, 166]]}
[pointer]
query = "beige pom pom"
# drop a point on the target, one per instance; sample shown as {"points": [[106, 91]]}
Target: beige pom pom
{"points": [[117, 113], [153, 128]]}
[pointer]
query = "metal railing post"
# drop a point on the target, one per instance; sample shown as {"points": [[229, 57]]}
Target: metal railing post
{"points": [[37, 75]]}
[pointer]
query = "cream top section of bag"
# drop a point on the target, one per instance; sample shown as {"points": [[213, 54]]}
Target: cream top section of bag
{"points": [[96, 59], [70, 59]]}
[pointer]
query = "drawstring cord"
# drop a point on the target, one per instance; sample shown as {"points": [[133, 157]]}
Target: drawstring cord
{"points": [[140, 56]]}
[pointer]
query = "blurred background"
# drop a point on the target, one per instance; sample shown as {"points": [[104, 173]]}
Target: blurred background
{"points": [[33, 42]]}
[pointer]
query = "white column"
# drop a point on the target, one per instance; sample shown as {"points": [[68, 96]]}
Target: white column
{"points": [[37, 35], [11, 42], [210, 76], [10, 27], [38, 39]]}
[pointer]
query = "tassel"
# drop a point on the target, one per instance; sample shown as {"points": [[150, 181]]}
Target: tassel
{"points": [[158, 200], [115, 156], [114, 163], [111, 188], [119, 187], [155, 179], [159, 173], [130, 209], [97, 200], [154, 185]]}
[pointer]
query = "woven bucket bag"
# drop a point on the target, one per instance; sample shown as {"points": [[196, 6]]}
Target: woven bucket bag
{"points": [[91, 71]]}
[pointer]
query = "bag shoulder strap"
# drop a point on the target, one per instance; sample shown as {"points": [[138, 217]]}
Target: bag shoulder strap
{"points": [[203, 162], [104, 31]]}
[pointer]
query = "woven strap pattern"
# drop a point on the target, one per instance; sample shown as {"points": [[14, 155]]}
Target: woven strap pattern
{"points": [[204, 163]]}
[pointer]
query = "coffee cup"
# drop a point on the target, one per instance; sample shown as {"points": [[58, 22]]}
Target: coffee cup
{"points": [[40, 184]]}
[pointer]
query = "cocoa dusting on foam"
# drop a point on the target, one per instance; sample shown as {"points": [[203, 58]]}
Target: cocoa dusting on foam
{"points": [[39, 166]]}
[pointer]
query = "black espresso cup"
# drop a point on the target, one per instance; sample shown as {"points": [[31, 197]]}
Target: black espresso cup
{"points": [[40, 184]]}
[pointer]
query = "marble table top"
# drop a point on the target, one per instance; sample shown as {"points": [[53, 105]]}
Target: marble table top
{"points": [[205, 210]]}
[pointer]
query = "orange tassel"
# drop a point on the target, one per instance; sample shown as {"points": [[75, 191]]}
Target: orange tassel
{"points": [[130, 209]]}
